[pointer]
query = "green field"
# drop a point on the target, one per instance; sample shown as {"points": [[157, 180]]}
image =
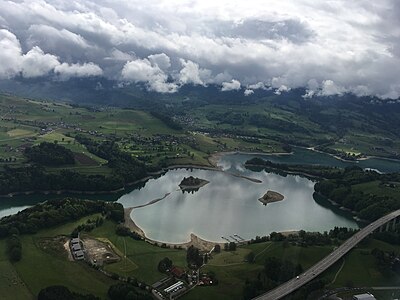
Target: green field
{"points": [[39, 269], [359, 267], [42, 266], [378, 188], [141, 258]]}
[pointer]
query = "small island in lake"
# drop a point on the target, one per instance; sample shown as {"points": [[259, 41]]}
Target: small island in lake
{"points": [[192, 183], [270, 197]]}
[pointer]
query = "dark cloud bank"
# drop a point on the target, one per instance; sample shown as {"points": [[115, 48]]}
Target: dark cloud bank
{"points": [[327, 48]]}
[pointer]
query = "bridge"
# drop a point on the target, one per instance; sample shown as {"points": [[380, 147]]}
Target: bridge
{"points": [[385, 223]]}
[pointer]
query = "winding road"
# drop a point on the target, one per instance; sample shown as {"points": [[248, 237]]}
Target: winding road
{"points": [[297, 282]]}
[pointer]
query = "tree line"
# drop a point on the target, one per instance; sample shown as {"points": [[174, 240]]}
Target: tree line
{"points": [[55, 212], [367, 206], [50, 154], [125, 169]]}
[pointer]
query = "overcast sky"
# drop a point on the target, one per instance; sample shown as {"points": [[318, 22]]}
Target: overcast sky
{"points": [[328, 47]]}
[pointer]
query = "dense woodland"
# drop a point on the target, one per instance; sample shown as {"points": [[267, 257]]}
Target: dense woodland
{"points": [[35, 177], [257, 164], [125, 167], [367, 206], [338, 184], [55, 212], [50, 154]]}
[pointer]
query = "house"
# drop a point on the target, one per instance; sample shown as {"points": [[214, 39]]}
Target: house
{"points": [[79, 255], [76, 247], [74, 241]]}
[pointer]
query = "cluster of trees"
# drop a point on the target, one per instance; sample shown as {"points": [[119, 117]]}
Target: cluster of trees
{"points": [[258, 120], [305, 238], [387, 262], [55, 212], [125, 231], [313, 170], [276, 271], [194, 257], [88, 226], [229, 117], [50, 154], [368, 206], [126, 291], [166, 119], [391, 237], [231, 246], [264, 121], [338, 186], [35, 178], [14, 246], [126, 168], [164, 265], [279, 270], [59, 292]]}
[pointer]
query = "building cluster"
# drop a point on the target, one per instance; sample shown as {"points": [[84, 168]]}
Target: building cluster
{"points": [[77, 249]]}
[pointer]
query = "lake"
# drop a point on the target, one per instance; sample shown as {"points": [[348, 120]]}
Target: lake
{"points": [[228, 205]]}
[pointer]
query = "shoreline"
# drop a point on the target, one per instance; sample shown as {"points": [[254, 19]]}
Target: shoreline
{"points": [[357, 160], [212, 159], [194, 240]]}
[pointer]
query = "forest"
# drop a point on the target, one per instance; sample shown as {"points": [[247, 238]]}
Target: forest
{"points": [[55, 212]]}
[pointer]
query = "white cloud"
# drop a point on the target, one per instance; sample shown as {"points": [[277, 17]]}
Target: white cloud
{"points": [[67, 71], [233, 85], [281, 89], [330, 88], [258, 85], [36, 63], [10, 53], [353, 44], [191, 73], [142, 70], [161, 60], [248, 92]]}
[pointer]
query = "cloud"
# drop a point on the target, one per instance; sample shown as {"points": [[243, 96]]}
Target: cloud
{"points": [[142, 70], [10, 53], [344, 46], [248, 92], [36, 63], [191, 73], [233, 85], [161, 60], [67, 71]]}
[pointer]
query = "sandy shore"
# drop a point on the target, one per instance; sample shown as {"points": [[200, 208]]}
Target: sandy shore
{"points": [[194, 239], [129, 222]]}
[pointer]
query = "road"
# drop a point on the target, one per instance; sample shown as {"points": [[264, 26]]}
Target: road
{"points": [[297, 282]]}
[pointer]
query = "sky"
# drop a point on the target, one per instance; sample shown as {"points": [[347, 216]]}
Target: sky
{"points": [[327, 47]]}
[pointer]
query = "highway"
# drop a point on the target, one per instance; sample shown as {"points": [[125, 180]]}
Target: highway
{"points": [[297, 282]]}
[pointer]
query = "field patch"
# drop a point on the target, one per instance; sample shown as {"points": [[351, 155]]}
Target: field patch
{"points": [[85, 160], [11, 285], [56, 136], [19, 133]]}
